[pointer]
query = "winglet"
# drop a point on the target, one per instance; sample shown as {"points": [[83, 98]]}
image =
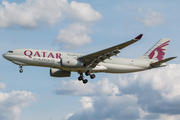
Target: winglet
{"points": [[139, 37]]}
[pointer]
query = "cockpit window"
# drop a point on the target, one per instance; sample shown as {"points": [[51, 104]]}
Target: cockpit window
{"points": [[10, 51]]}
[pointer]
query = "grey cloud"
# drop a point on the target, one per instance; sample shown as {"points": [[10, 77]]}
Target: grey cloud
{"points": [[151, 18], [74, 36], [157, 90], [153, 94], [74, 87], [151, 116], [2, 86], [83, 12], [33, 13], [109, 107], [11, 104]]}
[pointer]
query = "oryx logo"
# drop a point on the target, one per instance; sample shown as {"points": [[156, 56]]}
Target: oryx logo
{"points": [[159, 51]]}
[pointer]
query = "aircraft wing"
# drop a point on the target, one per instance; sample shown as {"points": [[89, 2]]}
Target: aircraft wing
{"points": [[91, 60], [157, 64]]}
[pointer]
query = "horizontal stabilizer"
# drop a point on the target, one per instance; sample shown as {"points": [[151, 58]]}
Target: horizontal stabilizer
{"points": [[157, 64]]}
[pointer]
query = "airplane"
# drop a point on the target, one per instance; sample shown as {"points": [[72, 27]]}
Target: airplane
{"points": [[61, 64]]}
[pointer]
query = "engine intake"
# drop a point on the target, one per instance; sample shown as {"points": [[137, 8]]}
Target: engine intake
{"points": [[59, 73]]}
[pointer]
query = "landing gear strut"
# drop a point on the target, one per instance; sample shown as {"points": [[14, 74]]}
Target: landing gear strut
{"points": [[21, 70], [81, 77]]}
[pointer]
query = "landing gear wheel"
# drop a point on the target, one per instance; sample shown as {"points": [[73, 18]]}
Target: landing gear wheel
{"points": [[92, 76], [87, 73], [21, 70], [80, 78], [85, 81]]}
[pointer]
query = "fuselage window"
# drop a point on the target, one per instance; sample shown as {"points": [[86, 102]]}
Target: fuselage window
{"points": [[10, 51]]}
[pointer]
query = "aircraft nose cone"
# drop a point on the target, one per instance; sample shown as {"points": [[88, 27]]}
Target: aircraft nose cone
{"points": [[4, 55]]}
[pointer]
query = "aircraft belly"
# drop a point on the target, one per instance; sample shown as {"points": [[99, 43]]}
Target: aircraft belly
{"points": [[115, 68]]}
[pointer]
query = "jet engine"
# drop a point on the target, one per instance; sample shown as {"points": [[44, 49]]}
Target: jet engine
{"points": [[71, 63], [59, 73]]}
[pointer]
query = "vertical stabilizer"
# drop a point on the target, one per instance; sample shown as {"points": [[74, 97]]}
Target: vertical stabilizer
{"points": [[157, 52]]}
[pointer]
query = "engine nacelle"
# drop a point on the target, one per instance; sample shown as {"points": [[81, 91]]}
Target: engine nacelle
{"points": [[59, 73], [71, 63]]}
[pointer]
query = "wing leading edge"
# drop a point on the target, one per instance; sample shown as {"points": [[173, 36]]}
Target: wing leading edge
{"points": [[91, 60]]}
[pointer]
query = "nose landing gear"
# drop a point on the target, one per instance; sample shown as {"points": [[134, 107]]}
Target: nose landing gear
{"points": [[21, 70]]}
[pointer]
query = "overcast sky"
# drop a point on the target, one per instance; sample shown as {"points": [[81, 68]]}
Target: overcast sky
{"points": [[85, 27]]}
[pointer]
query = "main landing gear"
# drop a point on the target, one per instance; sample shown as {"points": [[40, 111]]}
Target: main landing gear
{"points": [[21, 70], [84, 80], [81, 77], [92, 76]]}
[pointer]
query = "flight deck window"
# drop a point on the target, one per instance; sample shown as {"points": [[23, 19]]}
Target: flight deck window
{"points": [[10, 51]]}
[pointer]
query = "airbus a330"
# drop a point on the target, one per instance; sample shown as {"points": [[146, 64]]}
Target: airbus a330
{"points": [[61, 64]]}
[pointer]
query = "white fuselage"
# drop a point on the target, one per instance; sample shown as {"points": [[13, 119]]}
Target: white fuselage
{"points": [[44, 58]]}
